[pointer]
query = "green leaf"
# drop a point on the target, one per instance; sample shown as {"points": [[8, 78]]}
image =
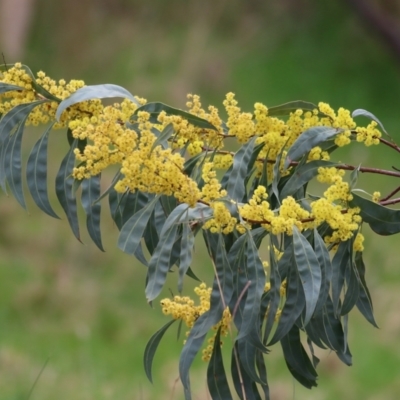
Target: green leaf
{"points": [[12, 163], [275, 295], [192, 346], [94, 92], [297, 359], [159, 263], [132, 231], [162, 139], [364, 302], [309, 271], [325, 264], [364, 113], [6, 87], [340, 263], [242, 382], [302, 175], [168, 203], [294, 305], [191, 163], [8, 123], [186, 254], [216, 377], [247, 352], [151, 349], [116, 178], [39, 89], [335, 335], [307, 140], [382, 220], [154, 109], [291, 106], [222, 288], [65, 189], [36, 174], [352, 290], [235, 184], [91, 192], [354, 177], [277, 174], [256, 276], [151, 234]]}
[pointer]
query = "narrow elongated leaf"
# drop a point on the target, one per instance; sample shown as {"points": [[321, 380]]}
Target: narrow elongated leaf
{"points": [[151, 349], [382, 220], [256, 276], [324, 261], [216, 377], [162, 139], [65, 190], [302, 175], [116, 178], [36, 174], [291, 106], [277, 174], [191, 348], [235, 185], [364, 302], [186, 254], [354, 177], [335, 335], [247, 355], [8, 123], [91, 192], [38, 89], [150, 234], [340, 262], [275, 295], [159, 263], [154, 109], [364, 113], [6, 87], [297, 359], [262, 370], [12, 163], [307, 140], [352, 290], [94, 92], [294, 305], [132, 231], [309, 271], [242, 382]]}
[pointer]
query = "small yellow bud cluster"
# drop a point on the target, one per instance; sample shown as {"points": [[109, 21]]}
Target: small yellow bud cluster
{"points": [[376, 196], [45, 112], [257, 210], [317, 154], [240, 124], [222, 220], [212, 187], [184, 308], [358, 242], [368, 135]]}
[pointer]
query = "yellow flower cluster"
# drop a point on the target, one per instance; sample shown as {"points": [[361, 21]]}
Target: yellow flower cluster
{"points": [[222, 220], [112, 139], [289, 214], [369, 135], [184, 308], [44, 113]]}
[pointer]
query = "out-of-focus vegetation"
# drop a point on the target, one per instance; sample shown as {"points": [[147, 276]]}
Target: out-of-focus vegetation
{"points": [[83, 312]]}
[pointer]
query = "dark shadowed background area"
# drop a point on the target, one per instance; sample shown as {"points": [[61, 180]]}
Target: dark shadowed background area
{"points": [[80, 315]]}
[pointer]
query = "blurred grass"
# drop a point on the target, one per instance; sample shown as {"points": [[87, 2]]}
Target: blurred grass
{"points": [[84, 311]]}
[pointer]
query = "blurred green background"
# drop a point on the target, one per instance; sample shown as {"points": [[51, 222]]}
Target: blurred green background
{"points": [[81, 314]]}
